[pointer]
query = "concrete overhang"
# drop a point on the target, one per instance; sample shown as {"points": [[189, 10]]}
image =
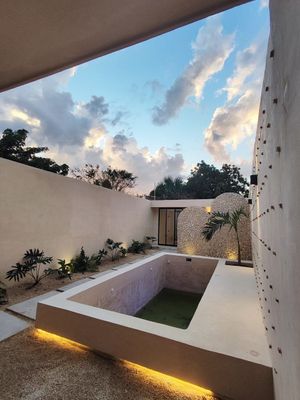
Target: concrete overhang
{"points": [[39, 37], [183, 203]]}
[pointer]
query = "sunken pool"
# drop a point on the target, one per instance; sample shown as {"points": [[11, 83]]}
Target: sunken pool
{"points": [[180, 315]]}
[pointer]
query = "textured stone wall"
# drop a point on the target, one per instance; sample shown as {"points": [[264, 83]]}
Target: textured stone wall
{"points": [[276, 206], [192, 219]]}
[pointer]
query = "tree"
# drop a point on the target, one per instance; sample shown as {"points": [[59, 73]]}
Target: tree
{"points": [[118, 179], [170, 188], [115, 179], [12, 147], [219, 219], [207, 181]]}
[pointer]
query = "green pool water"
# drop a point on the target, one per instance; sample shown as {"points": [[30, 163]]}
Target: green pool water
{"points": [[171, 307]]}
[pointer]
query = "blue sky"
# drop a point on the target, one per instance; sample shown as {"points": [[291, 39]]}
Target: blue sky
{"points": [[156, 108]]}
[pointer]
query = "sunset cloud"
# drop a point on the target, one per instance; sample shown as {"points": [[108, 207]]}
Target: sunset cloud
{"points": [[210, 51]]}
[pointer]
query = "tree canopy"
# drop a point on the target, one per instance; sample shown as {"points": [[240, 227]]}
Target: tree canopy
{"points": [[170, 188], [115, 179], [205, 182], [13, 147]]}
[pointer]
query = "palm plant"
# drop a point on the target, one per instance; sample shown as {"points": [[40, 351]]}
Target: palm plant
{"points": [[219, 219]]}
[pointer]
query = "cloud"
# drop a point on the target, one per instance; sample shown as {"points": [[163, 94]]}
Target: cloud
{"points": [[231, 124], [77, 132], [237, 118], [117, 118], [121, 151], [246, 64], [210, 51], [263, 4], [97, 107]]}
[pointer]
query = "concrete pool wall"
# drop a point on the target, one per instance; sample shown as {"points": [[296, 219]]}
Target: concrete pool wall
{"points": [[223, 349], [128, 293]]}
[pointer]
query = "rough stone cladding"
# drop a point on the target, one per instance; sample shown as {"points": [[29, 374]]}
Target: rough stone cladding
{"points": [[192, 219]]}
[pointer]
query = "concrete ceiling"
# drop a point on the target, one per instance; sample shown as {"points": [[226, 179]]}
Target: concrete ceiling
{"points": [[41, 37]]}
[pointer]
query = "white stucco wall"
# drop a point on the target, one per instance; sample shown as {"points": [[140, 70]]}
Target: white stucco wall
{"points": [[60, 214], [276, 203]]}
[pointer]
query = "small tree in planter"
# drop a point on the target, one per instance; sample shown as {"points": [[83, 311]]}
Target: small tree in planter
{"points": [[33, 262], [219, 219]]}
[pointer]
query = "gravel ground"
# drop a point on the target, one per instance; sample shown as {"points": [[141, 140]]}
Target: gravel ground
{"points": [[37, 368]]}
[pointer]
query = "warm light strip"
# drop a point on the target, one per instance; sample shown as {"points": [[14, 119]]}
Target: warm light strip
{"points": [[174, 384], [63, 342], [146, 374]]}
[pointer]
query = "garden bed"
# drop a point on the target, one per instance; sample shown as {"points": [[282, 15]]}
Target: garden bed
{"points": [[20, 292]]}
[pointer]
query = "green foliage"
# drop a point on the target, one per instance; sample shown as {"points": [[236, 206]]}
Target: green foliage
{"points": [[137, 247], [33, 260], [118, 179], [12, 147], [115, 179], [79, 263], [219, 219], [205, 182], [64, 269], [169, 189], [3, 294], [102, 253], [115, 249], [123, 251], [150, 241], [82, 263]]}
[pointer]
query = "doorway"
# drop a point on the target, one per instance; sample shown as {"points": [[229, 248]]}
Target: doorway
{"points": [[167, 226]]}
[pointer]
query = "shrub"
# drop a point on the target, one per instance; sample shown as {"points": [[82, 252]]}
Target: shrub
{"points": [[150, 241], [79, 263], [137, 247], [33, 260], [64, 269], [115, 249], [3, 294], [102, 253]]}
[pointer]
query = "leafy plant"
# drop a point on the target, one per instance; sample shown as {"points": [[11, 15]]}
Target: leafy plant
{"points": [[79, 263], [3, 294], [123, 251], [64, 269], [33, 262], [150, 241], [137, 247], [82, 263], [219, 219], [114, 248], [102, 253]]}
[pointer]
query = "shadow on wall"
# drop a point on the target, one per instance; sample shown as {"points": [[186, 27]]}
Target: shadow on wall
{"points": [[192, 219]]}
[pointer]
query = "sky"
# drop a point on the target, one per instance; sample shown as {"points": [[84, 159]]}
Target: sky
{"points": [[158, 107]]}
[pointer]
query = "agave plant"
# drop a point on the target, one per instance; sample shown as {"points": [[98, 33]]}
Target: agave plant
{"points": [[33, 262], [219, 219]]}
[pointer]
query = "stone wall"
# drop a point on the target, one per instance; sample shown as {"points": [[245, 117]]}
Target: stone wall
{"points": [[276, 206], [192, 219]]}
